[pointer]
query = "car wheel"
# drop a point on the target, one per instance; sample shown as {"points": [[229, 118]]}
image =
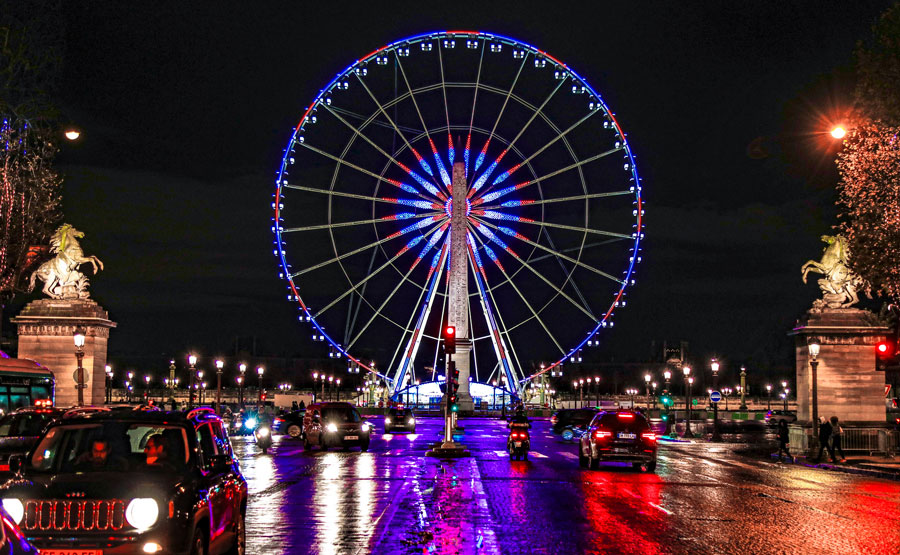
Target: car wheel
{"points": [[593, 463], [239, 547], [568, 434], [582, 460], [293, 431], [323, 445], [651, 466], [198, 543], [387, 430], [364, 447], [307, 446]]}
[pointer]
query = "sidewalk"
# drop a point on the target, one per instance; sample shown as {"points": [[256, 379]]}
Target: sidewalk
{"points": [[875, 466]]}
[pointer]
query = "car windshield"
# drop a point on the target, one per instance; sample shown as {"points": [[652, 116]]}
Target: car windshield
{"points": [[27, 424], [340, 415], [110, 446], [400, 412]]}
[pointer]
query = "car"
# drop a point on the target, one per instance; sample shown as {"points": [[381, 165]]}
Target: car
{"points": [[20, 430], [290, 424], [618, 436], [117, 482], [334, 424], [571, 418], [399, 418], [774, 416], [12, 539], [243, 423]]}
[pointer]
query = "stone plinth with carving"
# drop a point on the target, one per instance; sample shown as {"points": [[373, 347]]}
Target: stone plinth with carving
{"points": [[849, 386], [46, 330]]}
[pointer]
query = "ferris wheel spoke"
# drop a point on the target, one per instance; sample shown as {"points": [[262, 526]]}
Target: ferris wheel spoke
{"points": [[445, 177], [403, 250], [423, 204], [527, 304], [422, 162], [390, 296], [483, 153], [494, 215], [572, 166], [474, 102], [430, 188], [372, 245], [551, 142], [556, 253], [371, 121], [389, 218], [530, 202]]}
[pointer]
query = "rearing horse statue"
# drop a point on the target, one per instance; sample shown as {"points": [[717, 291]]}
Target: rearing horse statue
{"points": [[840, 284], [60, 274]]}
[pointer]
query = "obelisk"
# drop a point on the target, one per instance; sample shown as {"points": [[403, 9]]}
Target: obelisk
{"points": [[458, 309]]}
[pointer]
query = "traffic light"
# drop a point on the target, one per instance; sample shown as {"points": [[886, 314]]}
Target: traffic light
{"points": [[667, 401], [886, 355], [449, 340], [452, 376]]}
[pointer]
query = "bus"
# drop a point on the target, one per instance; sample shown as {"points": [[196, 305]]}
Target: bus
{"points": [[23, 382]]}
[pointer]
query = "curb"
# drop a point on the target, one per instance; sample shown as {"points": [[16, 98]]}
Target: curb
{"points": [[874, 472]]}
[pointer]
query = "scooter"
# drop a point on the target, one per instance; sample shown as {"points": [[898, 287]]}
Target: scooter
{"points": [[519, 442], [263, 435]]}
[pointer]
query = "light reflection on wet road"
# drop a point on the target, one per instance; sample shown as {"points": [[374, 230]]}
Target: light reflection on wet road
{"points": [[703, 499]]}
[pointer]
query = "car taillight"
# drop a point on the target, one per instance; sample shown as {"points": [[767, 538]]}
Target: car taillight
{"points": [[649, 436], [554, 420], [602, 434]]}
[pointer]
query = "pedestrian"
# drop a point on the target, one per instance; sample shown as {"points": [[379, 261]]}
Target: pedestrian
{"points": [[783, 445], [837, 439], [824, 439]]}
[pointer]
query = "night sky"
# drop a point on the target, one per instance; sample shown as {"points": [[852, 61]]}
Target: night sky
{"points": [[185, 112]]}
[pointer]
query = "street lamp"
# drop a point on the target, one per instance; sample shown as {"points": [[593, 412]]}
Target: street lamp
{"points": [[814, 364], [647, 378], [259, 372], [668, 376], [714, 365], [79, 356], [631, 391], [337, 387], [743, 387], [147, 388], [109, 377], [838, 132], [128, 385], [331, 388], [241, 379], [219, 365], [192, 361], [784, 387], [653, 385], [688, 381], [768, 397]]}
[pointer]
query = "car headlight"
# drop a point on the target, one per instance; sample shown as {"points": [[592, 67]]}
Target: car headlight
{"points": [[250, 422], [15, 508], [142, 512], [412, 420], [262, 432], [331, 427], [387, 420], [364, 427]]}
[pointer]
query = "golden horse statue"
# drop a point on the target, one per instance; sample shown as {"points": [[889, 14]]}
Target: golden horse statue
{"points": [[60, 274], [840, 284]]}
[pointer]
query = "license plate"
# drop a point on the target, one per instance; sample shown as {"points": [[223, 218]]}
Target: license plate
{"points": [[351, 437], [518, 444], [627, 436], [71, 552], [621, 450]]}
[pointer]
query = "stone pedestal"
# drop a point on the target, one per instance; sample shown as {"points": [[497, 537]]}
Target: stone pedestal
{"points": [[46, 330], [463, 359], [849, 387]]}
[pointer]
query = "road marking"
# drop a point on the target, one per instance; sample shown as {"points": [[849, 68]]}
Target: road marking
{"points": [[538, 455], [660, 508], [501, 453], [569, 455]]}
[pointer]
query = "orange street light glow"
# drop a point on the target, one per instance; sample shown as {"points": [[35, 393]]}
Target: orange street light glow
{"points": [[838, 132], [72, 134]]}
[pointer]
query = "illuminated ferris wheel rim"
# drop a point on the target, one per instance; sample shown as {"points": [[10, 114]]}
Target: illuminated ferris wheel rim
{"points": [[451, 35]]}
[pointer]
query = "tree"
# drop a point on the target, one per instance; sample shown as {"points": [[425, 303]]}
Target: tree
{"points": [[30, 189], [869, 163]]}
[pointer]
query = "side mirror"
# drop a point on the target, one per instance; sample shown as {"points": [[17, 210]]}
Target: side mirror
{"points": [[15, 464]]}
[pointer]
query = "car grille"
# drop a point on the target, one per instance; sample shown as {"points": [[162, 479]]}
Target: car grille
{"points": [[74, 515]]}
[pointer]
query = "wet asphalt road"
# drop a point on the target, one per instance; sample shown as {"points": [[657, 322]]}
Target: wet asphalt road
{"points": [[703, 498]]}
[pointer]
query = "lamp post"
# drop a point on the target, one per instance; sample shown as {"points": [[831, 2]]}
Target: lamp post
{"points": [[147, 388], [653, 385], [128, 386], [784, 387], [199, 379], [647, 379], [743, 387], [814, 364], [581, 392], [337, 390], [79, 356], [241, 380], [768, 397], [494, 392], [597, 390], [109, 377], [259, 399], [668, 376], [688, 380], [714, 365], [219, 365], [331, 388], [192, 361], [632, 391]]}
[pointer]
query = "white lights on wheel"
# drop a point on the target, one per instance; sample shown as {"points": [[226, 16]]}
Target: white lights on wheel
{"points": [[331, 427], [15, 508], [142, 513], [365, 427], [387, 420]]}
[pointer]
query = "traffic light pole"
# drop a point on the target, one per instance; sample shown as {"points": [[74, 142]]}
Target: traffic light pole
{"points": [[448, 413]]}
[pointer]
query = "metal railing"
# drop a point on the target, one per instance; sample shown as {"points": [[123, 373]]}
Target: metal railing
{"points": [[871, 441]]}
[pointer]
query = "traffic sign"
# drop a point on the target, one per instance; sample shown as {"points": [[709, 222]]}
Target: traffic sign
{"points": [[715, 396]]}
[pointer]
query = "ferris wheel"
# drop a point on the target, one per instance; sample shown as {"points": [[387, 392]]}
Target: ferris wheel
{"points": [[548, 212]]}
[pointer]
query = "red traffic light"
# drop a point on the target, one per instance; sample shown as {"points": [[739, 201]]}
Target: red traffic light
{"points": [[451, 330], [450, 340], [884, 348]]}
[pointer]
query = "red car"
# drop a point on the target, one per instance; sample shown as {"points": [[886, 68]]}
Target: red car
{"points": [[618, 436]]}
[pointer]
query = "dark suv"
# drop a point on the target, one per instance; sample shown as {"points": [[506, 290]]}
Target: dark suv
{"points": [[20, 430], [399, 418], [622, 436], [334, 424], [114, 482], [564, 421]]}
